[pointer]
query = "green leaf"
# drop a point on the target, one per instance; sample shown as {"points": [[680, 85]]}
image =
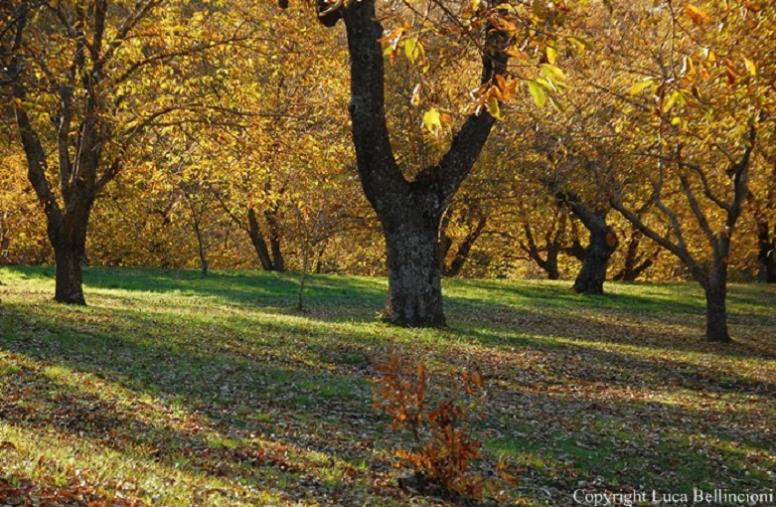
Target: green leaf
{"points": [[537, 93]]}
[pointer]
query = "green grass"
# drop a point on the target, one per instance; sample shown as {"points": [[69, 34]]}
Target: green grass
{"points": [[179, 390]]}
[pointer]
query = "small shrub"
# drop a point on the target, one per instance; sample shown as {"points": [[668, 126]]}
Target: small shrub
{"points": [[445, 450]]}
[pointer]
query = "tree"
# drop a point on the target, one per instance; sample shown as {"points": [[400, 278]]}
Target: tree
{"points": [[82, 87], [701, 134], [410, 210]]}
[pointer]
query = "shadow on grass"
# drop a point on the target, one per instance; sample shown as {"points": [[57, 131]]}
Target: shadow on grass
{"points": [[235, 380], [237, 394], [240, 287], [539, 308]]}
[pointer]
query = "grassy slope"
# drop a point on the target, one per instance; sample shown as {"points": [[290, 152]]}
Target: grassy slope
{"points": [[179, 390]]}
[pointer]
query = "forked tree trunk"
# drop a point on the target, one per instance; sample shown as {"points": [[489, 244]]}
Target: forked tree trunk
{"points": [[464, 249], [716, 312], [409, 211], [635, 262], [414, 270]]}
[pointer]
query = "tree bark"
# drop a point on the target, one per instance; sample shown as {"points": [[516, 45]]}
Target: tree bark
{"points": [[414, 270], [278, 262], [635, 262], [68, 238], [592, 276], [201, 249], [603, 243], [716, 312], [69, 275], [551, 265]]}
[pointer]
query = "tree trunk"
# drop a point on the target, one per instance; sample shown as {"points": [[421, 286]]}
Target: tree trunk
{"points": [[67, 234], [254, 231], [201, 249], [278, 262], [635, 262], [551, 265], [69, 273], [303, 277], [410, 211], [716, 313], [766, 257], [464, 249], [592, 276], [414, 272]]}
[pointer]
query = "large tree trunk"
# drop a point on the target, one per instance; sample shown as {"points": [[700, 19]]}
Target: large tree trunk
{"points": [[716, 313], [414, 270], [410, 211]]}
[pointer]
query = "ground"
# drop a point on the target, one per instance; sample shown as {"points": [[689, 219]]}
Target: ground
{"points": [[172, 389]]}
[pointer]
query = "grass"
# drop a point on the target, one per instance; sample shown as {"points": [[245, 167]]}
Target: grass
{"points": [[178, 390]]}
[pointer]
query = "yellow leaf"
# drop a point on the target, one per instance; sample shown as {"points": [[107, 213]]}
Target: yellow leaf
{"points": [[413, 49], [580, 45], [432, 120], [494, 108], [675, 97], [750, 66], [640, 86], [552, 55]]}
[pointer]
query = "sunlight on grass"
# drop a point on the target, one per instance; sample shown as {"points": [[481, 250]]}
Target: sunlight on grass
{"points": [[180, 390]]}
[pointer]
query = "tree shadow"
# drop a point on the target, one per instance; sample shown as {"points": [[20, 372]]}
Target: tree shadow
{"points": [[655, 317], [259, 384], [297, 409]]}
